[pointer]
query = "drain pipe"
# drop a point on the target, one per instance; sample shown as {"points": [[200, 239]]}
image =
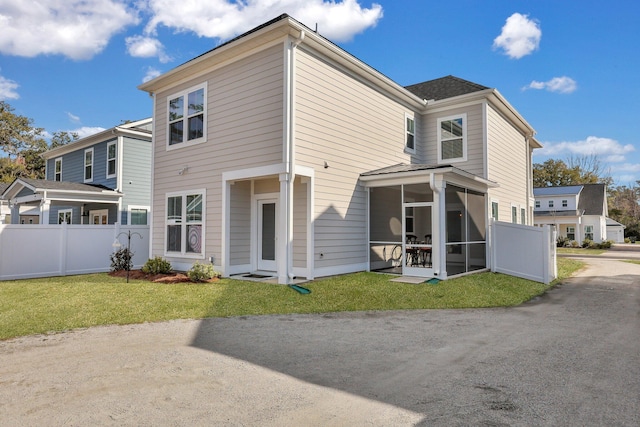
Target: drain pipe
{"points": [[291, 175], [436, 233]]}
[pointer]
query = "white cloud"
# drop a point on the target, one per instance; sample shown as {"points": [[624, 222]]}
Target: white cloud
{"points": [[606, 149], [520, 36], [85, 131], [8, 89], [152, 73], [146, 47], [223, 19], [78, 29], [73, 117], [562, 84]]}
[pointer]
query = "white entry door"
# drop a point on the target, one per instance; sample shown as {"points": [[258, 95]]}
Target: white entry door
{"points": [[267, 234]]}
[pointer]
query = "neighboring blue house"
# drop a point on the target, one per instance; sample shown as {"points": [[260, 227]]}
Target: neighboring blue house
{"points": [[101, 179]]}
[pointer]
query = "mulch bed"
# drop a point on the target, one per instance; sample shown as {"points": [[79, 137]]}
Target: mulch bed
{"points": [[175, 277]]}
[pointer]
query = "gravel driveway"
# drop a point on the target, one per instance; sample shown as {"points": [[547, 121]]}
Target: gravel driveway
{"points": [[572, 357]]}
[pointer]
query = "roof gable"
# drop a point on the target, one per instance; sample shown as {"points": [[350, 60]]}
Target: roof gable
{"points": [[593, 199], [444, 87]]}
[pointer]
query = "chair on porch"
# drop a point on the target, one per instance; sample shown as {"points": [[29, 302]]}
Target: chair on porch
{"points": [[425, 253], [412, 254]]}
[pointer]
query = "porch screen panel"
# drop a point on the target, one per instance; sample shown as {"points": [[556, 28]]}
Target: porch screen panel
{"points": [[476, 216], [385, 227]]}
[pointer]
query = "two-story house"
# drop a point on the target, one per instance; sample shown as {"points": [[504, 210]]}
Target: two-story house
{"points": [[280, 154], [578, 212], [100, 179]]}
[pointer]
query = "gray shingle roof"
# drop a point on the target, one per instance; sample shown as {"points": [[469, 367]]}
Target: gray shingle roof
{"points": [[401, 167], [63, 185], [444, 87], [592, 199]]}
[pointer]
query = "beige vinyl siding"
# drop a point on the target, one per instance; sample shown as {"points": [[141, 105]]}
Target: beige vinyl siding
{"points": [[354, 129], [475, 139], [507, 165], [244, 130], [240, 223]]}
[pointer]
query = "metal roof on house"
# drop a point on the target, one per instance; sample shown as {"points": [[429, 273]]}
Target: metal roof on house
{"points": [[43, 184], [401, 167], [444, 87], [558, 191]]}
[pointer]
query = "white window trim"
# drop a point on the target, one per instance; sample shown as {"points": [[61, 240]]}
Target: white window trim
{"points": [[55, 162], [514, 220], [406, 132], [462, 116], [497, 202], [84, 165], [565, 203], [132, 207], [185, 94], [183, 253], [115, 160], [65, 211], [551, 204], [523, 216], [537, 204]]}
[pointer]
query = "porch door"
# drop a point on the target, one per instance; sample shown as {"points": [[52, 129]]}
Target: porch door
{"points": [[267, 216], [418, 239], [100, 217]]}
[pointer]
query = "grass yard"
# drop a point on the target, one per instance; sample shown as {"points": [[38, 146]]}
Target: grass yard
{"points": [[580, 251], [62, 303]]}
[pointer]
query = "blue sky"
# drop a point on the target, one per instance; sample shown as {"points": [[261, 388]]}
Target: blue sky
{"points": [[570, 68]]}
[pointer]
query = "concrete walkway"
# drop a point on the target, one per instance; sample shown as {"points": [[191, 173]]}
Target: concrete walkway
{"points": [[571, 358]]}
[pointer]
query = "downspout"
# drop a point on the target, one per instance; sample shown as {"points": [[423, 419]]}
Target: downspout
{"points": [[435, 256], [290, 164]]}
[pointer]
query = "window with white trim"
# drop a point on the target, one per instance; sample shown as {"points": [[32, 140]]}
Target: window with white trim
{"points": [[452, 139], [514, 214], [523, 216], [588, 232], [550, 203], [565, 203], [571, 233], [57, 169], [88, 165], [494, 210], [138, 215], [410, 133], [185, 223], [537, 203], [112, 153], [187, 116], [64, 216]]}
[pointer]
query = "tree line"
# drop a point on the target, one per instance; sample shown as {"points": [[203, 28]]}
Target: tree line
{"points": [[22, 145]]}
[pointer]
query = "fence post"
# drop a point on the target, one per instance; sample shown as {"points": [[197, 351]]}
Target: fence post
{"points": [[63, 248]]}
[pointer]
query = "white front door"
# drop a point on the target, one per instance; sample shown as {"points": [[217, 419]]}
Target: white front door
{"points": [[100, 217], [267, 234]]}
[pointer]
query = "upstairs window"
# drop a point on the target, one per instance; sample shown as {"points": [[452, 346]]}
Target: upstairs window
{"points": [[494, 210], [550, 203], [111, 159], [514, 214], [565, 203], [88, 165], [523, 216], [187, 116], [410, 132], [537, 203], [57, 172], [452, 139]]}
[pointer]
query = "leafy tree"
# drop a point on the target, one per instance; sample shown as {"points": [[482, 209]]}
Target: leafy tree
{"points": [[577, 170], [60, 138], [624, 208], [16, 132]]}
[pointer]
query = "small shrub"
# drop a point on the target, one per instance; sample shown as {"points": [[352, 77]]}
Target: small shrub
{"points": [[574, 244], [627, 240], [157, 265], [562, 242], [587, 243], [201, 272], [606, 244], [121, 260]]}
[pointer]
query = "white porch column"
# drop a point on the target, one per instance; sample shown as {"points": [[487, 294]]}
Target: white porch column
{"points": [[15, 213], [439, 213], [284, 231], [44, 211]]}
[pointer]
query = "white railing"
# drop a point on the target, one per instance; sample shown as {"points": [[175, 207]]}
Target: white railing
{"points": [[524, 251], [30, 251]]}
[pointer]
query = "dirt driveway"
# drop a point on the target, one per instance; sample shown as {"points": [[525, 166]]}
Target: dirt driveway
{"points": [[571, 357]]}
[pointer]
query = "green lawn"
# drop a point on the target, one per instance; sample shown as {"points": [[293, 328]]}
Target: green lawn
{"points": [[63, 303], [580, 251]]}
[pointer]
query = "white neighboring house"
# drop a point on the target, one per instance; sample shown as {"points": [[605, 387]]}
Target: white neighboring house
{"points": [[4, 205], [578, 212], [615, 231]]}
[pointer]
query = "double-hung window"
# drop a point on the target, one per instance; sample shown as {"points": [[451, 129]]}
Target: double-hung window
{"points": [[565, 203], [523, 216], [452, 139], [550, 203], [494, 210], [588, 232], [64, 216], [112, 152], [57, 169], [537, 204], [187, 116], [410, 132], [514, 214], [88, 165], [185, 223]]}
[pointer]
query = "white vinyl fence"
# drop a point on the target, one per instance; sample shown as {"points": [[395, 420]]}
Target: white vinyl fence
{"points": [[524, 251], [29, 251]]}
